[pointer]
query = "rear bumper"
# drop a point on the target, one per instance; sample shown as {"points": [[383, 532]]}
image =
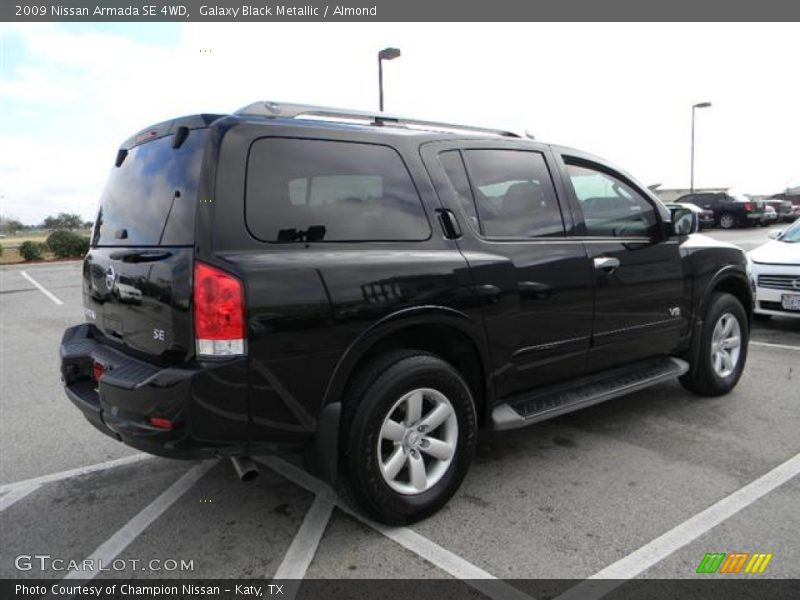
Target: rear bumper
{"points": [[192, 396]]}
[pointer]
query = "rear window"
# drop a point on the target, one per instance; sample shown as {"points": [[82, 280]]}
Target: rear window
{"points": [[150, 199], [327, 191]]}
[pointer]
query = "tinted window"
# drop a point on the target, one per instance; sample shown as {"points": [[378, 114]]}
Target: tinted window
{"points": [[150, 199], [459, 192], [610, 206], [318, 190], [514, 193]]}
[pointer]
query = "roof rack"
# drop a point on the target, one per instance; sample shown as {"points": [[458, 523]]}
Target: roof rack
{"points": [[324, 113]]}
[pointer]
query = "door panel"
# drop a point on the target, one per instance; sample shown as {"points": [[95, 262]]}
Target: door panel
{"points": [[535, 292], [641, 293], [640, 307]]}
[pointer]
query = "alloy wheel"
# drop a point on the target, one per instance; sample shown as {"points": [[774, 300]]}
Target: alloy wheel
{"points": [[726, 345], [417, 441]]}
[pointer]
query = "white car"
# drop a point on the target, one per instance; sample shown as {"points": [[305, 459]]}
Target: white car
{"points": [[775, 274]]}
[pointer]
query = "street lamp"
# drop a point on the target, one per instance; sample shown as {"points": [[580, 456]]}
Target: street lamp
{"points": [[694, 107], [385, 54]]}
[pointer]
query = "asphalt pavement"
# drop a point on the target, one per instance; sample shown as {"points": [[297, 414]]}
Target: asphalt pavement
{"points": [[660, 474]]}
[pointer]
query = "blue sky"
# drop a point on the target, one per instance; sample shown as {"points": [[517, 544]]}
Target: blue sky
{"points": [[70, 93]]}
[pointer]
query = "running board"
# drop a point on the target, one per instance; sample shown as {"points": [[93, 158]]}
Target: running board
{"points": [[586, 391]]}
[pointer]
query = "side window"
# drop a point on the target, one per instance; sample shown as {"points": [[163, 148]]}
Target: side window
{"points": [[460, 194], [514, 194], [611, 208], [319, 190]]}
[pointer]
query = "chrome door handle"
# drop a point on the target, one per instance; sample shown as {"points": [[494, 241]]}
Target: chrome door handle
{"points": [[606, 263]]}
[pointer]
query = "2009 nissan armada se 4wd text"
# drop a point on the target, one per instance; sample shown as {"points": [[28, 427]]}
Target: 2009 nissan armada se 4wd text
{"points": [[374, 290]]}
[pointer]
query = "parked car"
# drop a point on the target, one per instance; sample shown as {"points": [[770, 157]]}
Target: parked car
{"points": [[775, 274], [372, 290], [705, 217], [729, 211], [770, 217], [785, 210]]}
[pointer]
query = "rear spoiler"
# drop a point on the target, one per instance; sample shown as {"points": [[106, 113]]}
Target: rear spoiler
{"points": [[169, 127]]}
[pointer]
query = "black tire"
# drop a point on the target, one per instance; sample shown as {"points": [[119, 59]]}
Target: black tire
{"points": [[702, 378], [369, 399], [727, 221]]}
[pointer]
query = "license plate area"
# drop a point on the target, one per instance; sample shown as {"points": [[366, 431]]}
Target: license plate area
{"points": [[790, 301]]}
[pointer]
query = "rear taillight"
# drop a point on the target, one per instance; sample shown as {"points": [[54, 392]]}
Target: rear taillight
{"points": [[748, 207], [161, 423], [97, 371], [218, 312]]}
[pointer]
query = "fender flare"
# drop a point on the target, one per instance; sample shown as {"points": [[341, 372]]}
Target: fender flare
{"points": [[727, 272]]}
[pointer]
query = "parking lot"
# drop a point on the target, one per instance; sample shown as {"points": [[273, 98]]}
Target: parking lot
{"points": [[641, 486]]}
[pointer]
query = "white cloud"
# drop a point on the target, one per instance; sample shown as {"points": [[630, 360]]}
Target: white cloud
{"points": [[623, 91]]}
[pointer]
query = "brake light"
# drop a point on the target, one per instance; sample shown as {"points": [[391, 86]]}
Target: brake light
{"points": [[218, 312], [161, 423], [97, 371], [748, 207]]}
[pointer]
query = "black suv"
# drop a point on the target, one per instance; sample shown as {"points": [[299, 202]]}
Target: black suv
{"points": [[730, 211], [373, 290]]}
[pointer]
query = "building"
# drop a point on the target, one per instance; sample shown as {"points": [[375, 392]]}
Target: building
{"points": [[672, 194]]}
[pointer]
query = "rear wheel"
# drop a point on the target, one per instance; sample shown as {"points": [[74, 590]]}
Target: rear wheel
{"points": [[409, 433], [726, 221], [723, 348]]}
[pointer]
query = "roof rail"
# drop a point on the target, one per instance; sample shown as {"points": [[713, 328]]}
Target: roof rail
{"points": [[324, 113]]}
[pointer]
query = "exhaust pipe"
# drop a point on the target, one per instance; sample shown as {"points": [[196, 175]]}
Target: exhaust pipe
{"points": [[245, 468]]}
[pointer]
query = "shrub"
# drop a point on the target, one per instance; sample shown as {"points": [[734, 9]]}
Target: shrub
{"points": [[31, 250], [66, 244]]}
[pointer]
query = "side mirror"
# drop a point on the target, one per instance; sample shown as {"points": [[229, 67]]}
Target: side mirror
{"points": [[775, 234], [684, 222]]}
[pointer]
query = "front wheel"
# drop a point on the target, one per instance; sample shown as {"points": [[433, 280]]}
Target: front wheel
{"points": [[723, 348], [409, 433]]}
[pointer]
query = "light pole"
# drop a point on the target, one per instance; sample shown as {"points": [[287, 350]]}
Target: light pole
{"points": [[695, 107], [385, 54]]}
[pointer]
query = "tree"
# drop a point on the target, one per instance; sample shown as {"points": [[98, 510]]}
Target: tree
{"points": [[10, 225], [63, 221]]}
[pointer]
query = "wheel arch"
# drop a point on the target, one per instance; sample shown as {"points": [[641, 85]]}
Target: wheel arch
{"points": [[734, 281], [730, 279], [444, 331]]}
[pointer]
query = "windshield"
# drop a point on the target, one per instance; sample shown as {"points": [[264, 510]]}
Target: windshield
{"points": [[150, 199], [792, 235]]}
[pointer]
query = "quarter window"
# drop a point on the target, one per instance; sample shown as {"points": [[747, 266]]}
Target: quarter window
{"points": [[611, 208], [319, 190], [460, 195]]}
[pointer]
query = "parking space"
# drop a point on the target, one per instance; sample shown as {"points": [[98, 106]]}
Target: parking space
{"points": [[562, 499]]}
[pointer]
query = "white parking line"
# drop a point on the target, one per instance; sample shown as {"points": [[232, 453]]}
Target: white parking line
{"points": [[678, 537], [447, 561], [42, 289], [111, 548], [127, 460], [778, 346], [304, 545], [17, 494]]}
